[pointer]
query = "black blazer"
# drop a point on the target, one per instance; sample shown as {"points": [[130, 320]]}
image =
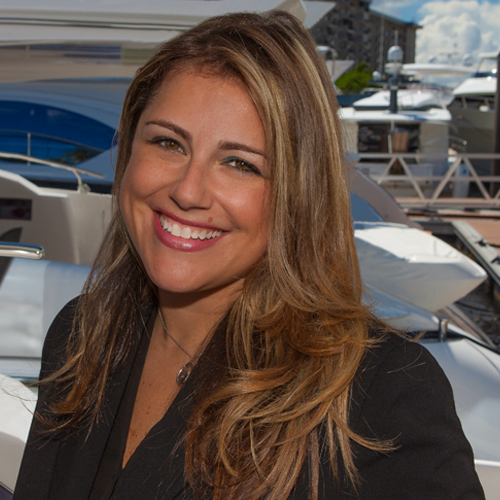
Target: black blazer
{"points": [[399, 392]]}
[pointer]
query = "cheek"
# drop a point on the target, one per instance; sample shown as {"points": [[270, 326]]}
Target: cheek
{"points": [[136, 184], [258, 216], [125, 196], [132, 191]]}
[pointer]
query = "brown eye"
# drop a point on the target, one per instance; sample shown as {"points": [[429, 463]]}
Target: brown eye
{"points": [[171, 144], [168, 144], [242, 165]]}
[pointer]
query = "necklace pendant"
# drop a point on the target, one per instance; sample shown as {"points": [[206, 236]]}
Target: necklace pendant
{"points": [[184, 373]]}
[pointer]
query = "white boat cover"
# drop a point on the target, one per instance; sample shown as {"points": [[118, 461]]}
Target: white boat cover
{"points": [[31, 294], [17, 404], [474, 373], [413, 265]]}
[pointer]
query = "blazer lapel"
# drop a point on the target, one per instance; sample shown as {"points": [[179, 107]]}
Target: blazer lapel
{"points": [[79, 453]]}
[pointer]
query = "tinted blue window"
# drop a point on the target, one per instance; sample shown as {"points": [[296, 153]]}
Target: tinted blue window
{"points": [[56, 134]]}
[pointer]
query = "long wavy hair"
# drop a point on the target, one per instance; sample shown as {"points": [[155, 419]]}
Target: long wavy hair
{"points": [[298, 331]]}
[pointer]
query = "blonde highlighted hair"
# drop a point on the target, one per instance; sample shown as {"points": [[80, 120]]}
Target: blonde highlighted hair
{"points": [[297, 333]]}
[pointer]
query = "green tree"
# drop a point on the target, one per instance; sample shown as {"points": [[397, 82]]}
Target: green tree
{"points": [[353, 82]]}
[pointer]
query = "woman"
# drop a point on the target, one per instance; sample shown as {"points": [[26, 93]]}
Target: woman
{"points": [[220, 348]]}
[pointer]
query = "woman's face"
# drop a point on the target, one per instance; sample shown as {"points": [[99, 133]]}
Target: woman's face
{"points": [[195, 195]]}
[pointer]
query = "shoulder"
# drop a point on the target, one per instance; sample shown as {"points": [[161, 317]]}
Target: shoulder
{"points": [[401, 394], [56, 340], [399, 385], [395, 362]]}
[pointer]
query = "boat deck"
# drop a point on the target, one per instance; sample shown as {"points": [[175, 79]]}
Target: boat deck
{"points": [[489, 229], [485, 222]]}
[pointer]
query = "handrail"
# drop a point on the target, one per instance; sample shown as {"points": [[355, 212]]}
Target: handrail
{"points": [[29, 134], [75, 170], [32, 252], [436, 200]]}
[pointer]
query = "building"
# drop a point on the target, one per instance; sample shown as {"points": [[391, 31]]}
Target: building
{"points": [[359, 34]]}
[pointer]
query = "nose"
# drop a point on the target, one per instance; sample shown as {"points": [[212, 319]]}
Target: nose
{"points": [[192, 188]]}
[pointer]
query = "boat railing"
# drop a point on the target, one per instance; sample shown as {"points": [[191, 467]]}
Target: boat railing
{"points": [[439, 192], [31, 139], [32, 252], [77, 172]]}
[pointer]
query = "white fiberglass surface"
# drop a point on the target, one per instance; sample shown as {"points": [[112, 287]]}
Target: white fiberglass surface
{"points": [[398, 313], [17, 404], [489, 474], [413, 265], [31, 294], [474, 373]]}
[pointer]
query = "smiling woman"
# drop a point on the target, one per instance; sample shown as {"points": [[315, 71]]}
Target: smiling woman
{"points": [[221, 348], [196, 190]]}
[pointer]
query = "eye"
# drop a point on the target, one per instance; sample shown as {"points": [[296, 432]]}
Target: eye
{"points": [[242, 165], [170, 144], [167, 143]]}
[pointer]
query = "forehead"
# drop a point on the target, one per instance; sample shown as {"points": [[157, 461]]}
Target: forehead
{"points": [[205, 101], [186, 78]]}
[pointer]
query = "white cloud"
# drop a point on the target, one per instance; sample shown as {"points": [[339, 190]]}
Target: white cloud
{"points": [[461, 26]]}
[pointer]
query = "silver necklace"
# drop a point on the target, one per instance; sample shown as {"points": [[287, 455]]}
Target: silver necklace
{"points": [[186, 370]]}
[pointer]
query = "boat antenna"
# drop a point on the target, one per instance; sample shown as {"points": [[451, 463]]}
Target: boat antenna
{"points": [[395, 58]]}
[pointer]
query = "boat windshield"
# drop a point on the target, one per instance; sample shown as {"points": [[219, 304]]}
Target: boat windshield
{"points": [[487, 67]]}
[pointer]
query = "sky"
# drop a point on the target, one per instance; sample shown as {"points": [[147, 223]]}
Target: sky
{"points": [[450, 28]]}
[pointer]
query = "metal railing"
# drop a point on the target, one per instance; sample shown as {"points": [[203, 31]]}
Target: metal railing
{"points": [[439, 196], [82, 187], [31, 136], [32, 252]]}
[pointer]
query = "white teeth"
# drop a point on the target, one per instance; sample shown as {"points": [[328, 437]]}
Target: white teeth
{"points": [[186, 232], [176, 229]]}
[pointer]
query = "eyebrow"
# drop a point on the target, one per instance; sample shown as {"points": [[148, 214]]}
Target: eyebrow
{"points": [[225, 146], [172, 126]]}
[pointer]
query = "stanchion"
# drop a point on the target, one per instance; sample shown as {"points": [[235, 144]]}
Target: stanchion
{"points": [[495, 165]]}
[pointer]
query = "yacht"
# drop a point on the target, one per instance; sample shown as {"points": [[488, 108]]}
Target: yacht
{"points": [[421, 126], [473, 106], [407, 132]]}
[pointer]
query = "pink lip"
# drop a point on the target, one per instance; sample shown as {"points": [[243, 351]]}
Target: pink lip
{"points": [[187, 222], [178, 243]]}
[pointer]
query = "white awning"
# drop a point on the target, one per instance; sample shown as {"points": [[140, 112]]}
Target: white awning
{"points": [[130, 21], [57, 39]]}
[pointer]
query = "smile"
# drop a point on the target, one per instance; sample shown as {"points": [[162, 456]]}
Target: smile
{"points": [[186, 232]]}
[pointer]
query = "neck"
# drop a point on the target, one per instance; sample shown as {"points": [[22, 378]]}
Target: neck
{"points": [[191, 318]]}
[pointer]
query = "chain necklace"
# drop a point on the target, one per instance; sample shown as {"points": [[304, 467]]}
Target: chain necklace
{"points": [[186, 370]]}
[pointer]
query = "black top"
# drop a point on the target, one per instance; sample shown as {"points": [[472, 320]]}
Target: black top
{"points": [[110, 469], [399, 392]]}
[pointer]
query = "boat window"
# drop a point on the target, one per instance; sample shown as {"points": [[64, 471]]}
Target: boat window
{"points": [[361, 210], [51, 133], [474, 103], [376, 138], [487, 67], [457, 103]]}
